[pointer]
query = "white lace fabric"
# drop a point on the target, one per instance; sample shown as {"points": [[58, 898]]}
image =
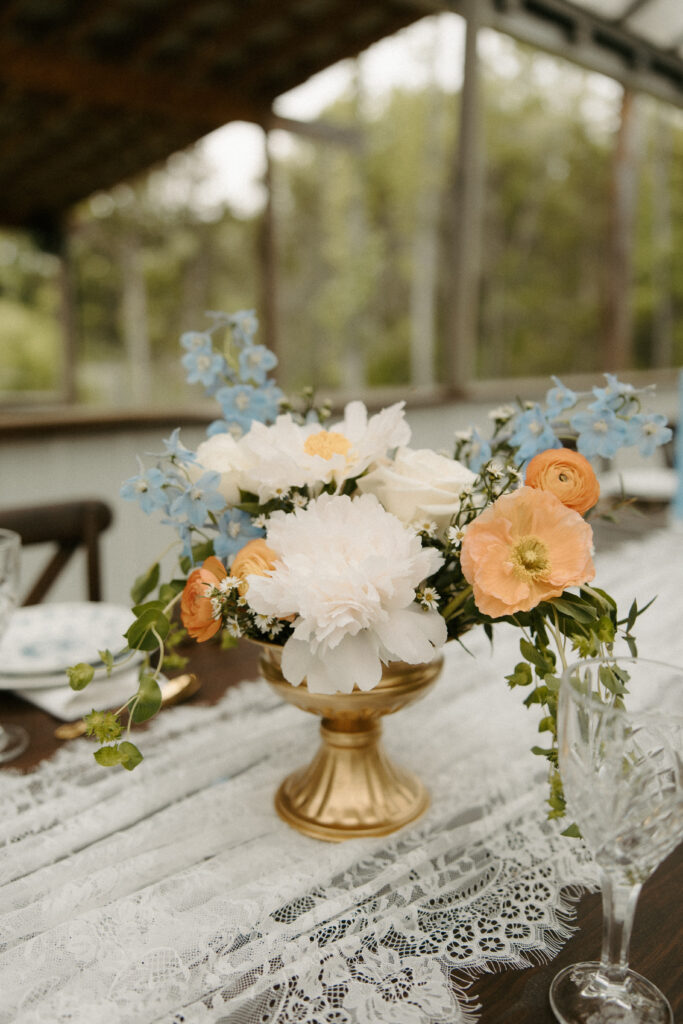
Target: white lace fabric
{"points": [[175, 894]]}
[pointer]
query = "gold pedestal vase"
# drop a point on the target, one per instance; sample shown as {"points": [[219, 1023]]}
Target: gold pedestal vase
{"points": [[351, 788]]}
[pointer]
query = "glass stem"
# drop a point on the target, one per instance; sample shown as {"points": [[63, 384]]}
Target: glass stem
{"points": [[618, 910]]}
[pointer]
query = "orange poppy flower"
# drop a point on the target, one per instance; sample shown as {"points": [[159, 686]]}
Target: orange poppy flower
{"points": [[527, 547], [196, 609], [566, 474]]}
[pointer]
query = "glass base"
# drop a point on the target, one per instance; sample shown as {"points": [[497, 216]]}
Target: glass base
{"points": [[581, 994], [13, 741]]}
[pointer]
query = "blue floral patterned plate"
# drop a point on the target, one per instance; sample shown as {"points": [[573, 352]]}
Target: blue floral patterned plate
{"points": [[43, 640]]}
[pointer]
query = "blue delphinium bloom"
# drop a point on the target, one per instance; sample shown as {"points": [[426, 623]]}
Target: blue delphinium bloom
{"points": [[559, 398], [478, 451], [235, 528], [207, 368], [244, 325], [648, 432], [532, 434], [147, 488], [255, 361], [614, 397], [196, 341], [175, 450], [599, 432], [199, 498]]}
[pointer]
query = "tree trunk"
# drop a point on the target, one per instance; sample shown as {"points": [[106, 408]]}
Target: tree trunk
{"points": [[617, 353], [426, 238], [134, 318], [467, 202]]}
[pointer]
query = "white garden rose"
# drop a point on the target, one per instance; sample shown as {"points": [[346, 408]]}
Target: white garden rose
{"points": [[222, 454], [420, 486]]}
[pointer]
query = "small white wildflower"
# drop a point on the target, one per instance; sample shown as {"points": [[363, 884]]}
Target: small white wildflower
{"points": [[427, 527], [276, 627], [260, 521], [233, 628], [428, 598], [242, 601], [456, 534], [299, 500], [263, 622], [466, 491], [228, 583], [502, 413], [216, 607], [463, 435], [494, 472]]}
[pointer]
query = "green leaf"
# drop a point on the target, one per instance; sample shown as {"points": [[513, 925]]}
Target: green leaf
{"points": [[148, 699], [199, 553], [574, 609], [632, 645], [572, 831], [129, 755], [145, 584], [548, 724], [544, 752], [522, 676], [606, 630], [80, 675], [107, 659], [610, 680], [539, 660], [167, 591], [108, 756], [147, 606], [632, 616], [141, 636]]}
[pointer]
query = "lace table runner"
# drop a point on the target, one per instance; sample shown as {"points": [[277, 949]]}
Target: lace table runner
{"points": [[174, 894]]}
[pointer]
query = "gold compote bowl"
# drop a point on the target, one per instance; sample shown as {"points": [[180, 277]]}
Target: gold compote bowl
{"points": [[351, 788]]}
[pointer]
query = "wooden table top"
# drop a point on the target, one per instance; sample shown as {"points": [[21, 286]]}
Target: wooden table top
{"points": [[507, 996]]}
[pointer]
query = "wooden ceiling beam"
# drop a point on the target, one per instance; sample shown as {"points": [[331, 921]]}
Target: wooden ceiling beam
{"points": [[43, 70]]}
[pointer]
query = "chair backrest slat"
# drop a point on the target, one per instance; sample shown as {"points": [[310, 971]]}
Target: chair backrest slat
{"points": [[69, 525]]}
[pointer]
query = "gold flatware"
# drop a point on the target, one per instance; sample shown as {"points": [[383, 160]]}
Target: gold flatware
{"points": [[173, 691]]}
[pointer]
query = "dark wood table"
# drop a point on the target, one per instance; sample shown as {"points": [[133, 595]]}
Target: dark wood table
{"points": [[507, 996]]}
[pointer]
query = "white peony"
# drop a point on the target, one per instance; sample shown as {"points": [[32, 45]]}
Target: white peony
{"points": [[223, 454], [287, 454], [347, 570], [420, 486]]}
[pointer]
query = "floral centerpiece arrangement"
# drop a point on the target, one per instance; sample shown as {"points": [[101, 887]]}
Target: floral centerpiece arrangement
{"points": [[349, 549]]}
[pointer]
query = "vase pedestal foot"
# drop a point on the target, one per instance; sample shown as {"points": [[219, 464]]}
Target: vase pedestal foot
{"points": [[351, 788]]}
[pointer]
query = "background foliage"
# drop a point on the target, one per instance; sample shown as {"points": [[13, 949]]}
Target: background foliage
{"points": [[353, 225]]}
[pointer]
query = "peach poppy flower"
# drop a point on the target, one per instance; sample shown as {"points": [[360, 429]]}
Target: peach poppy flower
{"points": [[196, 609], [527, 547], [254, 559], [566, 474]]}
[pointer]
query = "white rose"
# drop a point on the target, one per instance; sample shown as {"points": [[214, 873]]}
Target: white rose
{"points": [[419, 485], [222, 454]]}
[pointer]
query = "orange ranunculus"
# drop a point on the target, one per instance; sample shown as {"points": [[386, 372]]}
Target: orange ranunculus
{"points": [[196, 609], [566, 474], [254, 559], [527, 547]]}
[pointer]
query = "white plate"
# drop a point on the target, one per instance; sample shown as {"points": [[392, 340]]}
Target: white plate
{"points": [[43, 640]]}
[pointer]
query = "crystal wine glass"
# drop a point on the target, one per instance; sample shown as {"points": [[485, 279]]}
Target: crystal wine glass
{"points": [[13, 738], [622, 769]]}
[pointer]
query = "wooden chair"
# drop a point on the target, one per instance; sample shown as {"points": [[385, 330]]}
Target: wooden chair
{"points": [[70, 525]]}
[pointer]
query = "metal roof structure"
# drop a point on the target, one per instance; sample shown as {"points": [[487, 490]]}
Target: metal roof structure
{"points": [[95, 91]]}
